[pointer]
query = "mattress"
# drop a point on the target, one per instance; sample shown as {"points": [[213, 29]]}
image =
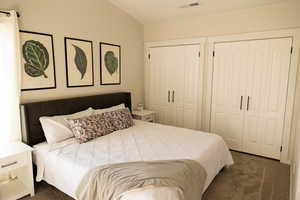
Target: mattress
{"points": [[63, 165]]}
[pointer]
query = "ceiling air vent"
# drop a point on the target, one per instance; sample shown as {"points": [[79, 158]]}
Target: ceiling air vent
{"points": [[190, 5]]}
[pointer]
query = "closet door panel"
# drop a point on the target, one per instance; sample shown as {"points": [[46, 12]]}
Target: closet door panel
{"points": [[153, 78], [174, 84], [176, 79], [158, 86], [256, 75], [229, 83], [268, 92], [177, 71], [157, 76], [191, 85], [164, 115]]}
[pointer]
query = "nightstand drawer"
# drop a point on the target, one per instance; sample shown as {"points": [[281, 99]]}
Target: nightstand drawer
{"points": [[144, 115], [148, 118], [13, 162]]}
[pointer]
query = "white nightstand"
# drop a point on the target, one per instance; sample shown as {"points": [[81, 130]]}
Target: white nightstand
{"points": [[144, 115], [15, 160]]}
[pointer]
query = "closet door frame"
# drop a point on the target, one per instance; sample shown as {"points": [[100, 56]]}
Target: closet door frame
{"points": [[289, 123], [179, 42]]}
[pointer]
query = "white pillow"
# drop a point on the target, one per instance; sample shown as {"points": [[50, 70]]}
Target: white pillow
{"points": [[56, 128], [110, 109]]}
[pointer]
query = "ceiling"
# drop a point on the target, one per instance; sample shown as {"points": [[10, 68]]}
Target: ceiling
{"points": [[147, 11]]}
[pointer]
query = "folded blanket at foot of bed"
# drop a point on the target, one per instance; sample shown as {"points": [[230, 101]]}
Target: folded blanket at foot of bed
{"points": [[175, 179]]}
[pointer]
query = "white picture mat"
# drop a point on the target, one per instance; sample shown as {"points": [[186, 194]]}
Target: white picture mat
{"points": [[29, 82], [106, 77], [74, 75]]}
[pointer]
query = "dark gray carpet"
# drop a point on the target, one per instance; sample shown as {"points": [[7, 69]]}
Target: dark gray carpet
{"points": [[250, 178]]}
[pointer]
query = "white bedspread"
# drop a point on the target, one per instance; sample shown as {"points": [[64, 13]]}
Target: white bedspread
{"points": [[65, 164]]}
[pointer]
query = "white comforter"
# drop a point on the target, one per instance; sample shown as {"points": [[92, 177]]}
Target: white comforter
{"points": [[65, 164]]}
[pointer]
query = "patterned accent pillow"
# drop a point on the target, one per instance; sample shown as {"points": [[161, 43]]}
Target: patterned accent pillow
{"points": [[120, 119], [91, 127]]}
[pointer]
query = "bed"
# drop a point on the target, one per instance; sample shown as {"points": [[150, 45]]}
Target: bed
{"points": [[143, 142]]}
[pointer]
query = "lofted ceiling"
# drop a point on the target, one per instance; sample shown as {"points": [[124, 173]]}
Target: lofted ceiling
{"points": [[147, 11]]}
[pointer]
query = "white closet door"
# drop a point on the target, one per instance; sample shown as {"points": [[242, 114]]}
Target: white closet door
{"points": [[184, 76], [176, 84], [158, 86], [229, 83], [191, 86], [267, 90], [173, 77], [175, 74]]}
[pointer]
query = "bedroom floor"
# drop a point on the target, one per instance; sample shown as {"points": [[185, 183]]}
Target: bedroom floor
{"points": [[250, 178]]}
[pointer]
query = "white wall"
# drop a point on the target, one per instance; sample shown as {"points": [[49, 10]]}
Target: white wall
{"points": [[295, 172], [295, 165], [95, 20], [270, 17]]}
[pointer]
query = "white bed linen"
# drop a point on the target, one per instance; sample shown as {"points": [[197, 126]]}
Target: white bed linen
{"points": [[65, 164]]}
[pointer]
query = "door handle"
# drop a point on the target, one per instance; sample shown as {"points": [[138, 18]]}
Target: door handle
{"points": [[9, 164], [173, 96], [248, 103], [241, 103], [168, 96]]}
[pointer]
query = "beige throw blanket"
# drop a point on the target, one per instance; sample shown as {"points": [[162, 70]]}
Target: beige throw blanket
{"points": [[109, 182]]}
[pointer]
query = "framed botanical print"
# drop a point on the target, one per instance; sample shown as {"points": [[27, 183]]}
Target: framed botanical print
{"points": [[37, 63], [110, 64], [79, 62]]}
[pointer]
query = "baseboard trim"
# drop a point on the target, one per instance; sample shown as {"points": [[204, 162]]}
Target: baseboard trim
{"points": [[288, 162], [291, 183]]}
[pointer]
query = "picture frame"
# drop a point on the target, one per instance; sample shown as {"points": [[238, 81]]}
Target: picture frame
{"points": [[79, 62], [37, 61], [110, 64]]}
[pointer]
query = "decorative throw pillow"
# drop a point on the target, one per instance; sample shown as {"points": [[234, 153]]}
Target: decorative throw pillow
{"points": [[89, 128], [120, 119]]}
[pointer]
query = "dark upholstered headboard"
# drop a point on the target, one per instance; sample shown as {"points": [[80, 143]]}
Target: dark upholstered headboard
{"points": [[31, 128]]}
